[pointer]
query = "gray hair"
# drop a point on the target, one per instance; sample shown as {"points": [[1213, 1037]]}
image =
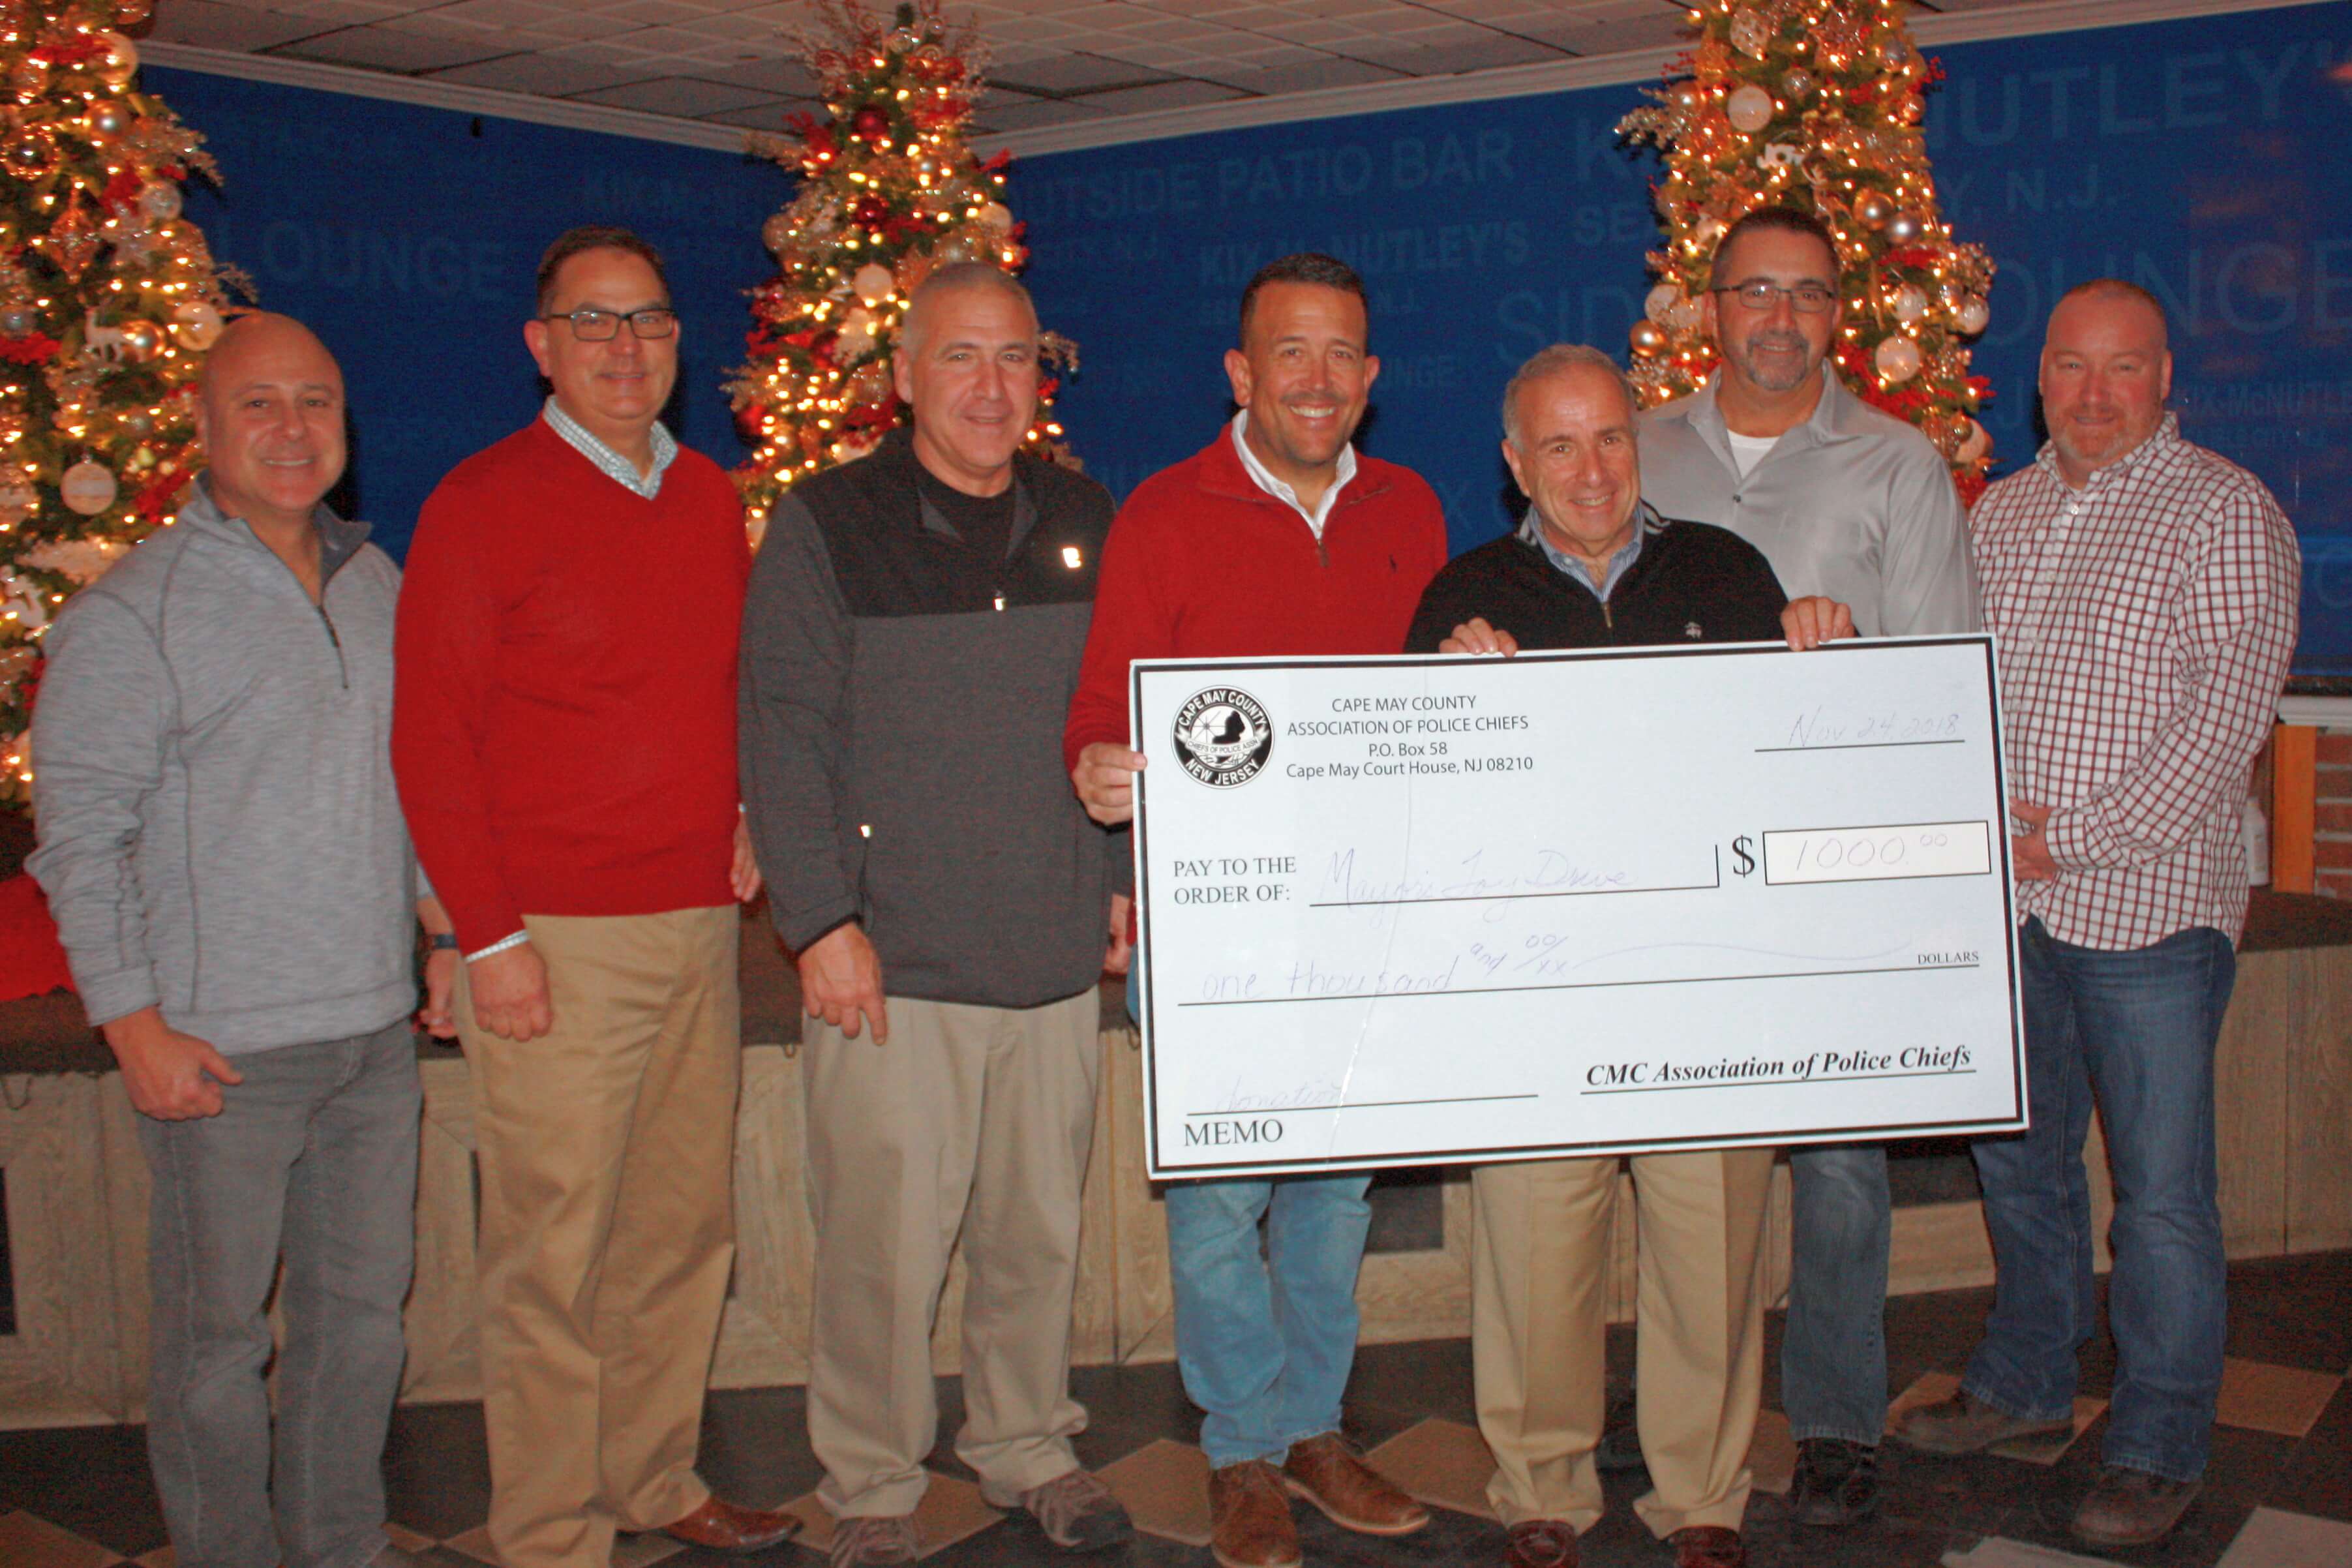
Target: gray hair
{"points": [[1554, 360], [959, 275]]}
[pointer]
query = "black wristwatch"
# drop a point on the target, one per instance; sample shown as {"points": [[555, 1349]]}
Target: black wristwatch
{"points": [[442, 941]]}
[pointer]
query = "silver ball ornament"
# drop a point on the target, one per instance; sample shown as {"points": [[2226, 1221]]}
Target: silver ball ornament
{"points": [[159, 200], [19, 320], [1973, 315], [1905, 229]]}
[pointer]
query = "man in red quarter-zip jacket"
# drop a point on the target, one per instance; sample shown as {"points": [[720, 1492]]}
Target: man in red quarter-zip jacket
{"points": [[1276, 538]]}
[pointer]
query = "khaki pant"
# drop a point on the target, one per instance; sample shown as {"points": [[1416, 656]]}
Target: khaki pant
{"points": [[608, 1228], [1538, 1322], [970, 1118]]}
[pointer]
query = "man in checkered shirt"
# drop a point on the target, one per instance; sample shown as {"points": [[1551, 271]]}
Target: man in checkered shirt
{"points": [[2143, 594]]}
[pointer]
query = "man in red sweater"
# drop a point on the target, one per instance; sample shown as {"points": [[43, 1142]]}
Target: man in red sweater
{"points": [[1276, 538], [569, 778]]}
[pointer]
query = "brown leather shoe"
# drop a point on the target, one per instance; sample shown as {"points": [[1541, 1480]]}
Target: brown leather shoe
{"points": [[1707, 1546], [1540, 1543], [1249, 1518], [1328, 1472], [721, 1526]]}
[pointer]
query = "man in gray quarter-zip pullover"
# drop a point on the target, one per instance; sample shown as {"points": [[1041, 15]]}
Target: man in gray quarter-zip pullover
{"points": [[222, 848], [1852, 503]]}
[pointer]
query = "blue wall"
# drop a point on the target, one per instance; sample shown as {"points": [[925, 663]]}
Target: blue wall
{"points": [[2204, 158]]}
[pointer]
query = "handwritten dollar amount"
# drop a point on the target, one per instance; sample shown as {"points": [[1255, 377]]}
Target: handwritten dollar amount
{"points": [[1865, 854]]}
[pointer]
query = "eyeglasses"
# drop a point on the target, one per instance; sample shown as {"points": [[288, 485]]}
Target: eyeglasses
{"points": [[602, 326], [1807, 299]]}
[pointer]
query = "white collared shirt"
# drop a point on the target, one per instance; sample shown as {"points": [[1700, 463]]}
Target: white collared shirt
{"points": [[1263, 477], [622, 471]]}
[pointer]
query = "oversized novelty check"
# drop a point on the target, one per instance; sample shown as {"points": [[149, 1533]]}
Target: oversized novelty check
{"points": [[1421, 911]]}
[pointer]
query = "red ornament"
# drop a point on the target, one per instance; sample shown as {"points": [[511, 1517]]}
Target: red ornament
{"points": [[870, 212], [33, 348], [871, 123]]}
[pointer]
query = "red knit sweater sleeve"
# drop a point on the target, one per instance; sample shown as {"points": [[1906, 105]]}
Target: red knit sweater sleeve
{"points": [[444, 644], [1134, 618]]}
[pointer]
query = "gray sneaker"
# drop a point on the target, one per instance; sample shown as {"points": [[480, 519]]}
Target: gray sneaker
{"points": [[1967, 1424], [2132, 1508], [1075, 1509], [878, 1539]]}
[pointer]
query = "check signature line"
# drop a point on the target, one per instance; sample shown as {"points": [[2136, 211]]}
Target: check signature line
{"points": [[1505, 897], [1361, 1105], [1782, 1082], [1581, 985], [1862, 746]]}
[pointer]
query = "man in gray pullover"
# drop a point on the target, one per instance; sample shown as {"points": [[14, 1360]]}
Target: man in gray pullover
{"points": [[224, 852]]}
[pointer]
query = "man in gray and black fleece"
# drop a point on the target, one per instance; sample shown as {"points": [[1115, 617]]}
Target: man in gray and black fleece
{"points": [[230, 872], [910, 644]]}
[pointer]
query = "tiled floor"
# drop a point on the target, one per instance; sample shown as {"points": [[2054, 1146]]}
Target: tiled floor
{"points": [[2278, 1495]]}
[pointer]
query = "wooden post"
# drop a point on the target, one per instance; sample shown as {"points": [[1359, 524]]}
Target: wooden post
{"points": [[2294, 795]]}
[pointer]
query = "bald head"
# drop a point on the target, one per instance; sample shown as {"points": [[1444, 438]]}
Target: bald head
{"points": [[271, 420], [2106, 369]]}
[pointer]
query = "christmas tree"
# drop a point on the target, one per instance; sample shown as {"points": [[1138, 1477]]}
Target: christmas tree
{"points": [[1817, 105], [889, 190], [107, 300]]}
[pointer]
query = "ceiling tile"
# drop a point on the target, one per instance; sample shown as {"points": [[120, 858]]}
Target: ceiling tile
{"points": [[386, 48], [545, 75], [685, 97], [1075, 73], [232, 28], [1309, 76], [1037, 112], [1161, 95]]}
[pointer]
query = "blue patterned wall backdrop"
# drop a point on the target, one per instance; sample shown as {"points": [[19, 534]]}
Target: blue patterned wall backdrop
{"points": [[2203, 158]]}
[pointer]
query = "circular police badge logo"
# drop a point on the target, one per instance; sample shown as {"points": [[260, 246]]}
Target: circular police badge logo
{"points": [[1223, 737]]}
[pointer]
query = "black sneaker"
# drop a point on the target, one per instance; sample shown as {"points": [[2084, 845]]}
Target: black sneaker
{"points": [[1836, 1483]]}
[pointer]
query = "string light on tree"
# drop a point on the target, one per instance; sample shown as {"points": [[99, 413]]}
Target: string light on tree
{"points": [[889, 190], [1817, 105]]}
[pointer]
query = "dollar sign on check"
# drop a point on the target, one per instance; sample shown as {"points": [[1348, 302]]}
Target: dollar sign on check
{"points": [[1739, 847]]}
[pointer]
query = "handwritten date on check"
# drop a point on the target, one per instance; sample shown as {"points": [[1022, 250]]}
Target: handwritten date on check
{"points": [[1419, 911]]}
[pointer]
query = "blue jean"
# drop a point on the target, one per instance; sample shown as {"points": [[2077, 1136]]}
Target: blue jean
{"points": [[1833, 1347], [1264, 1342], [2136, 1029], [313, 1156]]}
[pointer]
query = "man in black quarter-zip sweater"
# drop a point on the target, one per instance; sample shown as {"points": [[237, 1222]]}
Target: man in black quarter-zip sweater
{"points": [[1595, 567], [910, 645]]}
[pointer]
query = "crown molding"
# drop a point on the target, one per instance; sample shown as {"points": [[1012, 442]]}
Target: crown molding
{"points": [[284, 70], [1418, 92], [1561, 76]]}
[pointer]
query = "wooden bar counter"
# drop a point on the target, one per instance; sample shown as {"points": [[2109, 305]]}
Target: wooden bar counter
{"points": [[73, 1309]]}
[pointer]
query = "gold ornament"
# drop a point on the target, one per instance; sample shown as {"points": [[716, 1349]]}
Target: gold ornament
{"points": [[872, 282], [1905, 229], [120, 61], [72, 241], [1751, 32], [159, 200], [1872, 209], [1893, 52], [996, 217], [1798, 85], [108, 120], [1749, 109], [1897, 359], [89, 487], [1973, 315], [1647, 341], [1975, 444], [29, 155], [869, 383], [141, 341], [196, 324]]}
